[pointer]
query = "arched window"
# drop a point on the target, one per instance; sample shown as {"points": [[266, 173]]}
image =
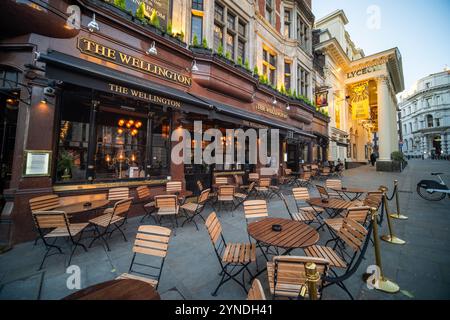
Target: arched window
{"points": [[429, 121], [411, 144]]}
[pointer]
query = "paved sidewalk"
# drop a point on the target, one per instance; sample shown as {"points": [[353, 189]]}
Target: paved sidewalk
{"points": [[421, 267]]}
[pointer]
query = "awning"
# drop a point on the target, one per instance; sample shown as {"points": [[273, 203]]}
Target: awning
{"points": [[60, 66], [249, 117]]}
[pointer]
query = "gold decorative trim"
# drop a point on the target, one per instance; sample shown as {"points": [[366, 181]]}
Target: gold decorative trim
{"points": [[106, 185]]}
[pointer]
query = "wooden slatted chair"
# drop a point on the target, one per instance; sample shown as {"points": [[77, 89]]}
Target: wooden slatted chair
{"points": [[174, 186], [325, 172], [332, 185], [255, 210], [150, 241], [231, 256], [221, 181], [144, 196], [253, 176], [240, 183], [225, 196], [212, 194], [287, 275], [56, 225], [43, 203], [240, 197], [322, 192], [314, 170], [114, 219], [256, 292], [301, 195], [357, 239], [358, 214], [193, 209], [167, 206], [116, 194], [302, 216], [305, 180], [263, 188]]}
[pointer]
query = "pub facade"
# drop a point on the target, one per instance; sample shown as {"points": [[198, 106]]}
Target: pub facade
{"points": [[92, 91]]}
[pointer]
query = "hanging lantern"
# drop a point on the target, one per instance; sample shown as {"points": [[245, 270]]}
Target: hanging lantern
{"points": [[120, 131], [138, 124], [121, 122]]}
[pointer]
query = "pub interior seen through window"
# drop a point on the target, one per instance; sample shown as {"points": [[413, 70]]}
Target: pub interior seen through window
{"points": [[122, 148]]}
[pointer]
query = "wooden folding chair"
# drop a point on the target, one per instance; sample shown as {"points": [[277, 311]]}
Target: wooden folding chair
{"points": [[193, 209], [55, 224], [144, 195], [174, 186], [150, 241], [263, 188], [325, 172], [212, 194], [116, 194], [301, 195], [167, 206], [255, 210], [322, 192], [225, 195], [256, 292], [253, 176], [331, 185], [116, 218], [304, 180], [357, 238], [231, 256], [287, 275], [221, 181], [240, 197], [43, 203]]}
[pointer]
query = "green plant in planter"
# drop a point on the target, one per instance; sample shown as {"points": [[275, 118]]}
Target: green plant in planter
{"points": [[120, 4], [65, 164], [195, 41], [247, 65], [239, 61], [154, 19], [398, 156], [228, 55], [255, 71], [180, 36], [282, 89], [140, 12], [289, 92], [205, 43], [220, 50], [169, 28]]}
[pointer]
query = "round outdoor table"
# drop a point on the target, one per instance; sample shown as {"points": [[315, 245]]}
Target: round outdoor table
{"points": [[122, 289], [346, 191], [332, 206], [79, 207]]}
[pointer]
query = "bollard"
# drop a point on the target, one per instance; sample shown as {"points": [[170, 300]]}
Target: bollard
{"points": [[312, 277], [397, 215], [382, 284], [391, 238]]}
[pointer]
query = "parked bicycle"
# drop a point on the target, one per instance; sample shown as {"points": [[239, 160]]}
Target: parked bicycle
{"points": [[433, 190]]}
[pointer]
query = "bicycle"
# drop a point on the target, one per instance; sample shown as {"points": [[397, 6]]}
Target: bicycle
{"points": [[432, 190]]}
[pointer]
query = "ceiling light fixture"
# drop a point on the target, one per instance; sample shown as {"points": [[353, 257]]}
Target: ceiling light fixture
{"points": [[93, 25]]}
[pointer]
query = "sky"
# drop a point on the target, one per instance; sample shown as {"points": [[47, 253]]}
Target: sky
{"points": [[419, 28]]}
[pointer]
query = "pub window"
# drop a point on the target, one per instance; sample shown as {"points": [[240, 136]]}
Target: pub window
{"points": [[197, 20], [269, 66], [241, 49], [230, 44], [269, 11], [231, 21], [218, 37], [218, 12], [287, 75], [302, 81], [287, 23], [197, 5]]}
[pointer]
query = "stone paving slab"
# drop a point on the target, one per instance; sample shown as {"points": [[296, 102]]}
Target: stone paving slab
{"points": [[421, 267]]}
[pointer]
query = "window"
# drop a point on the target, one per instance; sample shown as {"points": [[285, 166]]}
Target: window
{"points": [[269, 66], [302, 81], [287, 23], [428, 102], [196, 27], [404, 129], [302, 33], [438, 123], [197, 5], [9, 78], [269, 11], [427, 85], [429, 121], [233, 27], [410, 127], [287, 75]]}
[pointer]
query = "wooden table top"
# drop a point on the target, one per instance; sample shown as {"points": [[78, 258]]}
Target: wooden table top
{"points": [[80, 208], [332, 203], [294, 234], [123, 289], [351, 190]]}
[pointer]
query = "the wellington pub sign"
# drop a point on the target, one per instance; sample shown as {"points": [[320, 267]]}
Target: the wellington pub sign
{"points": [[162, 8]]}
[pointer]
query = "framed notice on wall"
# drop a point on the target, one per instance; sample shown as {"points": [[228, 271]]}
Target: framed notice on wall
{"points": [[37, 163]]}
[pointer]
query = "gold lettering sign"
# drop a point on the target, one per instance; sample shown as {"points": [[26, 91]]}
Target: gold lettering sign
{"points": [[141, 95], [272, 111], [103, 52], [360, 101], [363, 71]]}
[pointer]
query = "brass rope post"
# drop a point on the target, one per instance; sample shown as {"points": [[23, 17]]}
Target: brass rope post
{"points": [[391, 238], [397, 215], [312, 277], [382, 284]]}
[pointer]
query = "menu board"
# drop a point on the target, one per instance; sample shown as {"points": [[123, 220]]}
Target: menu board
{"points": [[37, 163]]}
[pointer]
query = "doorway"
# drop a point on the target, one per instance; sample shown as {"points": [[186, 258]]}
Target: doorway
{"points": [[8, 124]]}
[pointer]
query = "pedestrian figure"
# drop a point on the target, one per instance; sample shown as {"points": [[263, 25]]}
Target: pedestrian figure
{"points": [[373, 158]]}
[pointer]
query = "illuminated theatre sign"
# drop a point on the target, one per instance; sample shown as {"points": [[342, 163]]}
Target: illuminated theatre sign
{"points": [[363, 71], [103, 52]]}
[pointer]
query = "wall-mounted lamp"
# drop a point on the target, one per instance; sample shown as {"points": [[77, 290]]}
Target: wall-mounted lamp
{"points": [[44, 101], [288, 107], [93, 25], [274, 101], [152, 50], [194, 67]]}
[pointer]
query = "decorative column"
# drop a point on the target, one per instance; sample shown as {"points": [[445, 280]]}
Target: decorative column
{"points": [[149, 151], [90, 172], [384, 120], [394, 133]]}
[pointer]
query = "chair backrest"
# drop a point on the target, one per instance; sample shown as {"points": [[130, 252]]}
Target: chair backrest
{"points": [[118, 193], [251, 186], [287, 171], [314, 167], [203, 197], [238, 179], [50, 219], [300, 194], [221, 180], [359, 214], [122, 207], [152, 241], [333, 184], [352, 233], [289, 274], [44, 203], [373, 199], [226, 190], [199, 185], [286, 205], [255, 209], [166, 201], [174, 186], [253, 176], [264, 182], [143, 192], [326, 170], [256, 292], [322, 191]]}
